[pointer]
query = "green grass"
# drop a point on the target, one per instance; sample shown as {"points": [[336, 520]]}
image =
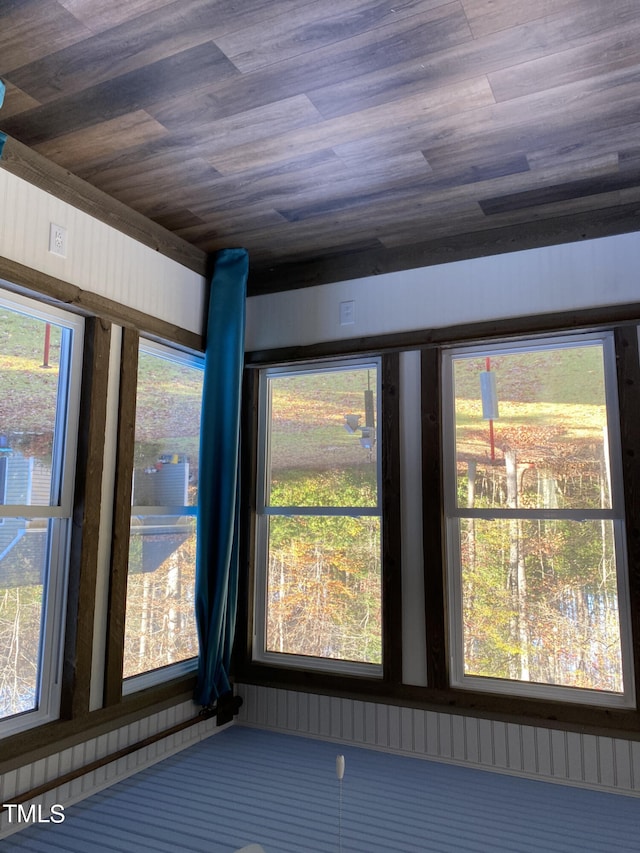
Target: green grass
{"points": [[27, 389], [562, 375]]}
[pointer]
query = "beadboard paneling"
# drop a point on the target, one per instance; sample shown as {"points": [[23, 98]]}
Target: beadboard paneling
{"points": [[100, 259], [601, 762], [31, 776], [249, 786], [547, 280]]}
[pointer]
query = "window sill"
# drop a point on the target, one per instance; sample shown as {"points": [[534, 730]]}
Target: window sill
{"points": [[588, 719]]}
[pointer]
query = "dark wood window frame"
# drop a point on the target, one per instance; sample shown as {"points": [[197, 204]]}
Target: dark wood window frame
{"points": [[391, 556], [76, 721], [623, 320]]}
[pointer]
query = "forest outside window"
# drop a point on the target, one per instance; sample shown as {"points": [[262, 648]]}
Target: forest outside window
{"points": [[40, 377], [538, 603], [160, 628], [318, 578]]}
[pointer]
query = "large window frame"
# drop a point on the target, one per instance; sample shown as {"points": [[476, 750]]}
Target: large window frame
{"points": [[86, 688], [58, 513], [437, 685], [140, 514], [266, 511], [457, 514]]}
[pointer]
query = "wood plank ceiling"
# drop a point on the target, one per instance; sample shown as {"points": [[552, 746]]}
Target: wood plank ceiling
{"points": [[338, 139]]}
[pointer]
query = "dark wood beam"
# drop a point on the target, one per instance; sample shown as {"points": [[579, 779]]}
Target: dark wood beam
{"points": [[55, 291], [81, 594], [551, 231], [31, 166]]}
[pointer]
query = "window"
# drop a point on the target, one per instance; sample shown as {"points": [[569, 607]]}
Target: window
{"points": [[536, 554], [318, 588], [160, 628], [41, 360]]}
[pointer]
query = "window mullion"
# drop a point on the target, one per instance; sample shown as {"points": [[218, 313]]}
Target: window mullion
{"points": [[538, 596], [351, 511], [121, 517], [628, 384], [533, 514], [308, 544]]}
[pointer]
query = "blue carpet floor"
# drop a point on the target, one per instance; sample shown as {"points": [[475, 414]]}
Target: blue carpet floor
{"points": [[246, 785]]}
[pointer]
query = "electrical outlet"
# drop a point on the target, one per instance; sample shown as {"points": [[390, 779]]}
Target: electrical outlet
{"points": [[348, 313], [58, 240]]}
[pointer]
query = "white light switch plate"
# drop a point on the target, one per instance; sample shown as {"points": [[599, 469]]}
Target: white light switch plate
{"points": [[348, 313]]}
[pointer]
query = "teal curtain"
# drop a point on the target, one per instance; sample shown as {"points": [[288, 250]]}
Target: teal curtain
{"points": [[3, 136], [218, 496]]}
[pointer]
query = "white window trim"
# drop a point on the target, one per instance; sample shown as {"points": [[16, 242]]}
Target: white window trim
{"points": [[160, 675], [263, 512], [60, 516], [453, 514]]}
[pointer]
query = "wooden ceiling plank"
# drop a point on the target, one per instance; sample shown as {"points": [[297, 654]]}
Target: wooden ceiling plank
{"points": [[379, 49], [413, 111], [465, 222], [463, 58], [235, 193], [298, 175], [150, 187], [362, 157], [217, 135], [490, 16], [566, 158], [441, 194], [118, 51], [313, 25], [81, 146], [219, 227], [227, 14], [565, 191], [97, 15], [118, 166], [573, 65], [32, 29], [513, 175], [539, 121], [175, 220], [327, 179], [16, 101], [180, 74]]}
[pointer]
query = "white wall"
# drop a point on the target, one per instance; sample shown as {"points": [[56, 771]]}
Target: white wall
{"points": [[100, 259], [536, 281]]}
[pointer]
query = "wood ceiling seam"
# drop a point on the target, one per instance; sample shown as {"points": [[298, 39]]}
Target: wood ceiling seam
{"points": [[181, 73]]}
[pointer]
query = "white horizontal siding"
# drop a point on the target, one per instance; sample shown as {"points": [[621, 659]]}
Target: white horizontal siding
{"points": [[601, 762], [100, 259]]}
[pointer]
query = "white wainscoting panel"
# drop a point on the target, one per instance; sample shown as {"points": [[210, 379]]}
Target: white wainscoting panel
{"points": [[545, 280], [591, 761], [31, 776], [100, 259]]}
